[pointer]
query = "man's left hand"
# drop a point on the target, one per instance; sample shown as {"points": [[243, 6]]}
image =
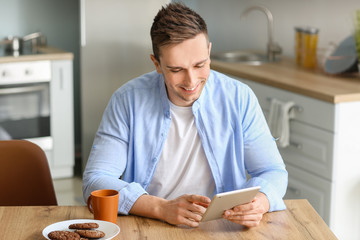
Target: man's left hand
{"points": [[249, 214]]}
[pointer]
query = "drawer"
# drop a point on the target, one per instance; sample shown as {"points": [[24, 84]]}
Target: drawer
{"points": [[306, 185], [25, 72], [314, 112], [310, 149]]}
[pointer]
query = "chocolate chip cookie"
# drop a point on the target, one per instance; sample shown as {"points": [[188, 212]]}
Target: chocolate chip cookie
{"points": [[90, 233], [91, 225], [63, 235]]}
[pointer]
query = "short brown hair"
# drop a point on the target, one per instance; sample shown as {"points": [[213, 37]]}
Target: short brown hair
{"points": [[175, 23]]}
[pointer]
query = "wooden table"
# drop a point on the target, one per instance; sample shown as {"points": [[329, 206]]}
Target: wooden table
{"points": [[299, 221]]}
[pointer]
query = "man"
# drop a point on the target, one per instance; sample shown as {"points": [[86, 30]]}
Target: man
{"points": [[170, 139]]}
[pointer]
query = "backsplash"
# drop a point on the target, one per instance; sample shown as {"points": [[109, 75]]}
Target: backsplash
{"points": [[227, 32]]}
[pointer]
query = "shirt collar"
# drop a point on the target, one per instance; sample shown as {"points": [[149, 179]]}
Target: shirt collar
{"points": [[164, 97], [203, 96]]}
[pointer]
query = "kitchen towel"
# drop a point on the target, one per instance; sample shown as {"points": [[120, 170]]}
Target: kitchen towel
{"points": [[279, 121]]}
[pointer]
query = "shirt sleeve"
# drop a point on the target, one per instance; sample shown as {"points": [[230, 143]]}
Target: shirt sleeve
{"points": [[263, 161], [108, 158]]}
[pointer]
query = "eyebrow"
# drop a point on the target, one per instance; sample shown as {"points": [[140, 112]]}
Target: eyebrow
{"points": [[178, 67]]}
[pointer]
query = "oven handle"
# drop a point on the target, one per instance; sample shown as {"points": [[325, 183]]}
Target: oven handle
{"points": [[15, 90]]}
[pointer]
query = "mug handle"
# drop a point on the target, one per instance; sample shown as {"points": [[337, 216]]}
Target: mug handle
{"points": [[89, 204]]}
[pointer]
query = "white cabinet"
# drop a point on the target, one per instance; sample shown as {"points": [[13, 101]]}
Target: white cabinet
{"points": [[36, 104], [315, 189], [311, 149], [62, 119], [323, 159]]}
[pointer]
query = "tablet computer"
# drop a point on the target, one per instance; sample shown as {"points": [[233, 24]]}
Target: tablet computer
{"points": [[228, 200]]}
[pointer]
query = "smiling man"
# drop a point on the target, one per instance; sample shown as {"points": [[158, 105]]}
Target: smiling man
{"points": [[186, 68], [171, 139]]}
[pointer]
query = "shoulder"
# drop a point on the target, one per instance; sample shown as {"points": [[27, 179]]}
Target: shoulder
{"points": [[143, 93], [143, 87], [229, 86]]}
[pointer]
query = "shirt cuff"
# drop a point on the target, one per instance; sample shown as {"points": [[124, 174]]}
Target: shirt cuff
{"points": [[275, 201], [128, 196]]}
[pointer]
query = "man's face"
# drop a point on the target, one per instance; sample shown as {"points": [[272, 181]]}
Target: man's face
{"points": [[186, 68]]}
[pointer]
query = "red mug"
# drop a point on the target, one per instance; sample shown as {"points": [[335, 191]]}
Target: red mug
{"points": [[104, 204]]}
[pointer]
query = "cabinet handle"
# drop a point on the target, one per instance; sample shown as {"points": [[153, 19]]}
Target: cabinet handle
{"points": [[17, 90], [294, 190], [28, 72], [61, 79]]}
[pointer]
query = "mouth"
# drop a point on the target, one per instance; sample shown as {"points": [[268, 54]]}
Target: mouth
{"points": [[191, 89]]}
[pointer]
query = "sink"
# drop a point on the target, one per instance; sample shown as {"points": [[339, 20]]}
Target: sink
{"points": [[240, 57]]}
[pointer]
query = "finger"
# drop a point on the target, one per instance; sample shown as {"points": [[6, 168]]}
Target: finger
{"points": [[190, 222], [247, 212], [196, 217], [254, 206], [205, 205], [246, 220], [250, 217], [198, 199], [191, 211], [194, 207], [244, 207]]}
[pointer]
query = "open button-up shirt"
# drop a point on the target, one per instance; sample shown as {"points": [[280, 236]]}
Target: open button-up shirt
{"points": [[232, 128]]}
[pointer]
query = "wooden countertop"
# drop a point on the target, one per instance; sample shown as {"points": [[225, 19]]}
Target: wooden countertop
{"points": [[298, 221], [45, 53], [286, 75]]}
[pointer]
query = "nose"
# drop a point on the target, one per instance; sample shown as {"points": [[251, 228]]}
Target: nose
{"points": [[190, 78]]}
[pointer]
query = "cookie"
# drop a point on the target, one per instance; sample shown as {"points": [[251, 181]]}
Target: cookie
{"points": [[90, 233], [63, 235], [84, 225]]}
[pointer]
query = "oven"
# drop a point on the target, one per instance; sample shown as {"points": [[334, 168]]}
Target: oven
{"points": [[25, 102]]}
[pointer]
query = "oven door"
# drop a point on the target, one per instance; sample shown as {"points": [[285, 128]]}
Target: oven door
{"points": [[24, 111]]}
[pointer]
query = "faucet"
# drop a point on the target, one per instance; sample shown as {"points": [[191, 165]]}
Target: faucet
{"points": [[272, 47]]}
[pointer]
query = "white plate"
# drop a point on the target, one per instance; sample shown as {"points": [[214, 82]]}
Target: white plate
{"points": [[110, 229]]}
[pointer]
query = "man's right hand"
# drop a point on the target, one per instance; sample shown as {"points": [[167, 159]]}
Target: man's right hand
{"points": [[184, 210]]}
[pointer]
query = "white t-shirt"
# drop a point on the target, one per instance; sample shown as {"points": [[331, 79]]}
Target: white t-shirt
{"points": [[182, 167]]}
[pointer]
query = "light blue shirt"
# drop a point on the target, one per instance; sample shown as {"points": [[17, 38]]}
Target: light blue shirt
{"points": [[232, 128]]}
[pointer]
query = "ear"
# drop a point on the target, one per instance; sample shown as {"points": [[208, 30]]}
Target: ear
{"points": [[210, 52], [210, 44], [156, 63]]}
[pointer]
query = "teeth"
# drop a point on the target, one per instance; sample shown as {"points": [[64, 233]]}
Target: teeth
{"points": [[190, 89]]}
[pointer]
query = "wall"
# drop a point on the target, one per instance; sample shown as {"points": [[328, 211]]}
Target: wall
{"points": [[228, 32], [57, 20]]}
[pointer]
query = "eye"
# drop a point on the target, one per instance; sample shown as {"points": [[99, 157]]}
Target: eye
{"points": [[200, 65], [175, 70]]}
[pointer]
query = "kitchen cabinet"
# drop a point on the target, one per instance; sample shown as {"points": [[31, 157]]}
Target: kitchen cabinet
{"points": [[37, 104], [62, 118], [323, 159], [304, 185]]}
